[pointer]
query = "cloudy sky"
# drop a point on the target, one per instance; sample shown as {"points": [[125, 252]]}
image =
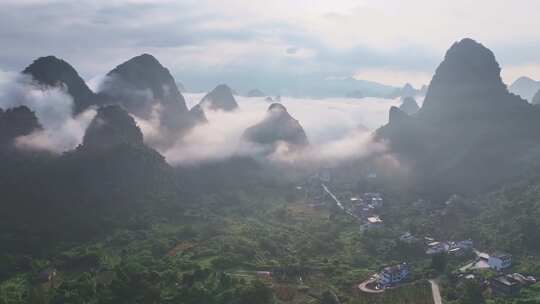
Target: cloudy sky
{"points": [[270, 44]]}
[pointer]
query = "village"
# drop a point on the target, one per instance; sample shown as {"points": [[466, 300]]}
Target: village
{"points": [[492, 271]]}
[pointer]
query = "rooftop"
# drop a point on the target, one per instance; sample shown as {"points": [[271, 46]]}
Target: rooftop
{"points": [[374, 220], [396, 268], [501, 255], [506, 280]]}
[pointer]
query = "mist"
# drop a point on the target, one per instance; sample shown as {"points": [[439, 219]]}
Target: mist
{"points": [[338, 129], [53, 108]]}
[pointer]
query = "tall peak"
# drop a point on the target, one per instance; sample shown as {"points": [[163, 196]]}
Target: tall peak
{"points": [[53, 71], [467, 82]]}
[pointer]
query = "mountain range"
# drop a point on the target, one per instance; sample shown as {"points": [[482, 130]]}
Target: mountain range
{"points": [[525, 87]]}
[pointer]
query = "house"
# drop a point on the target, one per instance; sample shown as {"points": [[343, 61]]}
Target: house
{"points": [[47, 275], [265, 276], [437, 247], [373, 222], [374, 198], [393, 274], [466, 245], [460, 248], [500, 261], [408, 238], [523, 280], [504, 286]]}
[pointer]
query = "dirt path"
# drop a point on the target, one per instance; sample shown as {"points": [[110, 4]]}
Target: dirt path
{"points": [[435, 291], [363, 287]]}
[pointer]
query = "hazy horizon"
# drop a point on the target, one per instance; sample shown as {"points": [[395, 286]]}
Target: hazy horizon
{"points": [[278, 47]]}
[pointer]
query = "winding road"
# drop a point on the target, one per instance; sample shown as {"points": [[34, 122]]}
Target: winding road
{"points": [[338, 203]]}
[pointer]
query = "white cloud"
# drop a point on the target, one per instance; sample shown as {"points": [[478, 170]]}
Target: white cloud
{"points": [[200, 40], [53, 108], [335, 128]]}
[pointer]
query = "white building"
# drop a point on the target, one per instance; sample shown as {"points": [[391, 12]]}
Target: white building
{"points": [[408, 238], [374, 222], [437, 247], [500, 261], [461, 247], [393, 274]]}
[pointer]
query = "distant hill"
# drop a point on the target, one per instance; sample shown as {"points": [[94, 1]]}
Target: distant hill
{"points": [[112, 126], [409, 105], [406, 91], [355, 94], [255, 93], [470, 133], [277, 126], [198, 114], [75, 196], [15, 122], [525, 87], [220, 98], [52, 71]]}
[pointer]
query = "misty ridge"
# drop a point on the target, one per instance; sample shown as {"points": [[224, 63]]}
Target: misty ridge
{"points": [[211, 130], [424, 141]]}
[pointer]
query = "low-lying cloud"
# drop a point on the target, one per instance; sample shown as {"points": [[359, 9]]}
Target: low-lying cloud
{"points": [[53, 108], [338, 129]]}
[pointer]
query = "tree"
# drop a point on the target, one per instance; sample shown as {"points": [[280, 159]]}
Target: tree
{"points": [[439, 261], [256, 293], [472, 294]]}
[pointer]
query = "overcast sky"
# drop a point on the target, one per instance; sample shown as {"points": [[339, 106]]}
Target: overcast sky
{"points": [[255, 43]]}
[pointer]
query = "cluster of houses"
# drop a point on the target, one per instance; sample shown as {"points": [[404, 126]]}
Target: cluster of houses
{"points": [[365, 207], [457, 248], [509, 284], [504, 283]]}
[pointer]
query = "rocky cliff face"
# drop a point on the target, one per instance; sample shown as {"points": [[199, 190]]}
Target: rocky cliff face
{"points": [[277, 126], [52, 71], [220, 98], [468, 127], [467, 84]]}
